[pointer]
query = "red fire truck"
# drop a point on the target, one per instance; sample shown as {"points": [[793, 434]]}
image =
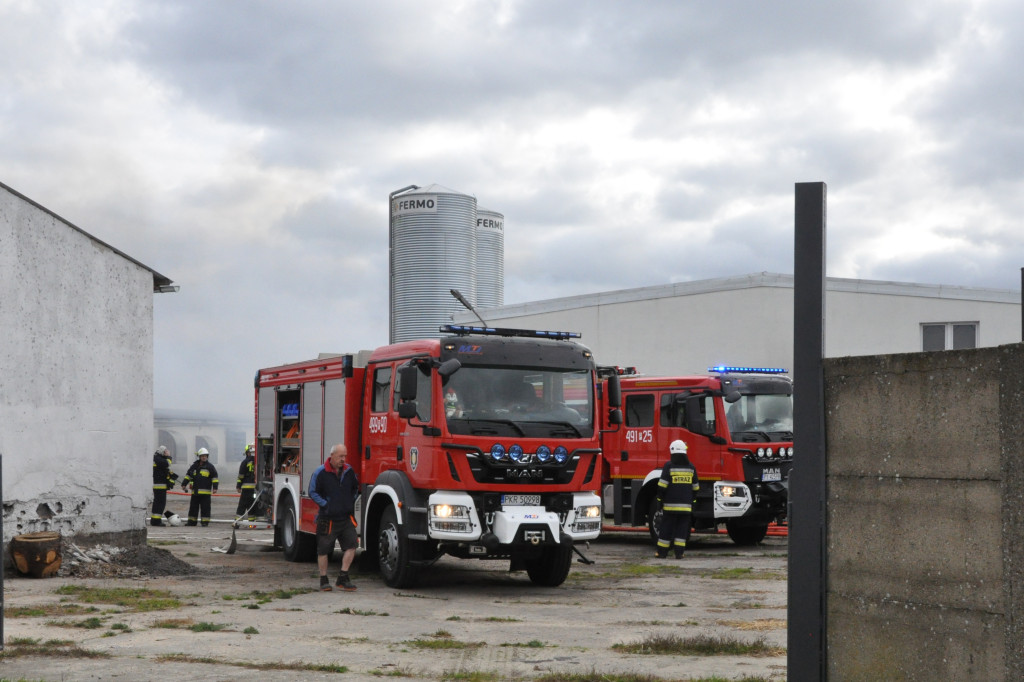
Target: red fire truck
{"points": [[738, 425], [481, 444]]}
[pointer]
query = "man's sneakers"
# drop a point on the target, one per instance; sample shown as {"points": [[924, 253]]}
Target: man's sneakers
{"points": [[344, 583], [325, 584]]}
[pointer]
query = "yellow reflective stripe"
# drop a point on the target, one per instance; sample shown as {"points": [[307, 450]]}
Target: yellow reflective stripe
{"points": [[677, 507], [157, 486]]}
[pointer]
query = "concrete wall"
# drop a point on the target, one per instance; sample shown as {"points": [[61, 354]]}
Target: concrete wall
{"points": [[76, 394], [925, 521], [748, 320]]}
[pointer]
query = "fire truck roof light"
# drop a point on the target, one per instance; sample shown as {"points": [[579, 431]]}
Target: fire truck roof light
{"points": [[462, 329], [729, 369]]}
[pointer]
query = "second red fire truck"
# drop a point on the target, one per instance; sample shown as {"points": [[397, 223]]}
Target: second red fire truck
{"points": [[484, 444], [738, 425]]}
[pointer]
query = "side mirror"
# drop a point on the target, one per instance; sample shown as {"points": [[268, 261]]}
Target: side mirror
{"points": [[615, 416], [732, 396], [614, 391], [449, 367], [407, 376], [694, 422], [407, 409]]}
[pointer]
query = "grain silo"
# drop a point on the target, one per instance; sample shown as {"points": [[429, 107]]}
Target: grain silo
{"points": [[433, 250], [490, 258]]}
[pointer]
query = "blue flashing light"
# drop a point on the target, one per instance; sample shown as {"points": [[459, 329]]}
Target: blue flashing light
{"points": [[497, 452], [462, 329], [729, 369], [561, 454], [515, 453], [543, 453]]}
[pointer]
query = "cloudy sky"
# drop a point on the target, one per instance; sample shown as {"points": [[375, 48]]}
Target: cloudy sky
{"points": [[246, 149]]}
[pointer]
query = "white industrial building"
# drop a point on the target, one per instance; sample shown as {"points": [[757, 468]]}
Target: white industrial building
{"points": [[224, 436], [686, 327], [76, 398]]}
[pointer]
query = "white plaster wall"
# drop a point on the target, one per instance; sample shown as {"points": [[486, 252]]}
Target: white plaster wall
{"points": [[749, 321], [76, 395]]}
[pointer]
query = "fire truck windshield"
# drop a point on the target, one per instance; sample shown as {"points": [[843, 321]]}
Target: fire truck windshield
{"points": [[503, 401], [761, 417]]}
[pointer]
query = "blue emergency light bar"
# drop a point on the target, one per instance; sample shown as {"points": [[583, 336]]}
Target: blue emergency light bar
{"points": [[728, 369], [463, 329]]}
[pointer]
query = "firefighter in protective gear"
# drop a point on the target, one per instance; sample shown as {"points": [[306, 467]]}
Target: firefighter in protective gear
{"points": [[246, 484], [677, 489], [163, 480], [202, 476]]}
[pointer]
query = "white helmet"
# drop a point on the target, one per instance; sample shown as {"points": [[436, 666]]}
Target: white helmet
{"points": [[162, 449], [202, 451], [174, 520], [677, 447]]}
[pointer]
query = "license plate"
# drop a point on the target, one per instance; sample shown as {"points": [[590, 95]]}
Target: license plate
{"points": [[521, 500], [774, 474]]}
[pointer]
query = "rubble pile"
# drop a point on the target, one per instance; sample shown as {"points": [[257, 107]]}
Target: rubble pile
{"points": [[111, 561]]}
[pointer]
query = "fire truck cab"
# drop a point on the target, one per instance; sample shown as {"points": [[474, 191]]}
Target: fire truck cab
{"points": [[481, 444], [738, 425]]}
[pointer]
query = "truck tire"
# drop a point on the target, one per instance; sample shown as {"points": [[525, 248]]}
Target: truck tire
{"points": [[297, 546], [746, 535], [393, 552], [552, 567], [654, 519]]}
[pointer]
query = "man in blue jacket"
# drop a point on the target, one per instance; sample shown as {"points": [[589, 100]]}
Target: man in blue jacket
{"points": [[334, 487]]}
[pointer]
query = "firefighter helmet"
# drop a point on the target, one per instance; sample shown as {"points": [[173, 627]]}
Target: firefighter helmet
{"points": [[250, 447], [202, 451], [677, 447], [162, 450]]}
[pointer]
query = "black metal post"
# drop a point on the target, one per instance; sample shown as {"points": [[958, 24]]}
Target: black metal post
{"points": [[806, 657], [1022, 304]]}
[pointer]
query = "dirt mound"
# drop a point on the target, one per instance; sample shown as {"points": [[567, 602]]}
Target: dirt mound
{"points": [[107, 561]]}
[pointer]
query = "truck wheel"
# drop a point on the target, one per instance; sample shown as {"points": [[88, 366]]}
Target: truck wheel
{"points": [[393, 551], [746, 535], [654, 519], [552, 567], [298, 546]]}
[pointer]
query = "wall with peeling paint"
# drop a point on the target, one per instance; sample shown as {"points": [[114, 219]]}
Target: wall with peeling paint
{"points": [[76, 389]]}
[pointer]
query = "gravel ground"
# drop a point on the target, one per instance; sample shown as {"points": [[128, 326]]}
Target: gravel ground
{"points": [[252, 613]]}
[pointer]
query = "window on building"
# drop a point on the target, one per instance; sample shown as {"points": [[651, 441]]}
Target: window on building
{"points": [[234, 443], [949, 335]]}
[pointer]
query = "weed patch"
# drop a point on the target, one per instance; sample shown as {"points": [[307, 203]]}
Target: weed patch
{"points": [[131, 599], [18, 647], [699, 645]]}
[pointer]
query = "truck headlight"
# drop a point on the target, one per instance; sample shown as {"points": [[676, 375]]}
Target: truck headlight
{"points": [[588, 519], [453, 518]]}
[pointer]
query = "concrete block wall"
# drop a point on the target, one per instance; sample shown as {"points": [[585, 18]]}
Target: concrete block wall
{"points": [[925, 528]]}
